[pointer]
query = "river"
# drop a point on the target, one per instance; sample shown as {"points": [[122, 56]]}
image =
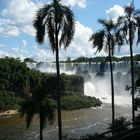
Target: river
{"points": [[79, 122], [75, 124]]}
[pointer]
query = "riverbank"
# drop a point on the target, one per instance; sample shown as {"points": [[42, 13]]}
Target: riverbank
{"points": [[8, 113], [67, 103]]}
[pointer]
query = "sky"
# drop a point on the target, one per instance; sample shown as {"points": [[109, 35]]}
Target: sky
{"points": [[17, 35]]}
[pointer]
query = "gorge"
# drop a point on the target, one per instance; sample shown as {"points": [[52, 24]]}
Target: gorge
{"points": [[96, 78], [84, 121]]}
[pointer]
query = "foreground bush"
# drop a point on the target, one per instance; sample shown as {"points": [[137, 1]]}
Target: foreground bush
{"points": [[120, 124], [8, 100], [78, 102]]}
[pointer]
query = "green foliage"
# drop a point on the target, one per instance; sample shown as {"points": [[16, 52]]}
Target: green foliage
{"points": [[18, 78], [73, 84], [102, 59], [78, 102], [8, 100], [120, 124], [29, 60]]}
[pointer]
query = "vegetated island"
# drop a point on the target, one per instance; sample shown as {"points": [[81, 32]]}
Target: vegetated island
{"points": [[18, 83]]}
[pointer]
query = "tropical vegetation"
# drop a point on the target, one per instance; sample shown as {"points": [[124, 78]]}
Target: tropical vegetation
{"points": [[99, 59], [9, 101]]}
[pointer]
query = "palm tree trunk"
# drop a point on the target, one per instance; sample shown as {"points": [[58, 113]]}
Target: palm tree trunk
{"points": [[112, 89], [41, 125], [132, 73], [58, 87]]}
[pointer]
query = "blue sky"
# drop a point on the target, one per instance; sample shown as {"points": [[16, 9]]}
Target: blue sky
{"points": [[17, 35]]}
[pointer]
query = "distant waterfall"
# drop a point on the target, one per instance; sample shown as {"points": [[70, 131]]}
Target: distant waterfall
{"points": [[98, 86]]}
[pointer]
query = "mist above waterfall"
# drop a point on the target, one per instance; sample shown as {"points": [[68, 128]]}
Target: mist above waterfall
{"points": [[96, 85]]}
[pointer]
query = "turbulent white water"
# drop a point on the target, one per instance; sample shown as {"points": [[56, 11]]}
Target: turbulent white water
{"points": [[98, 86], [101, 88]]}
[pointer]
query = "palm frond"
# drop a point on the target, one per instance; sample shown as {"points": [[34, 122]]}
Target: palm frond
{"points": [[51, 16], [29, 117], [38, 23], [102, 21], [129, 9], [107, 24], [120, 20], [28, 107], [119, 39], [48, 111], [98, 40], [51, 30], [67, 27]]}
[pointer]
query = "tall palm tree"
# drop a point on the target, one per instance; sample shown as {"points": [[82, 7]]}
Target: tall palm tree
{"points": [[107, 39], [129, 24], [58, 20], [39, 104]]}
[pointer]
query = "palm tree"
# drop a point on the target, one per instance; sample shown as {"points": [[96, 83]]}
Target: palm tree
{"points": [[39, 104], [58, 20], [129, 24], [107, 38]]}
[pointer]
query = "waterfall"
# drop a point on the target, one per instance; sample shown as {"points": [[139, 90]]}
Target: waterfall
{"points": [[96, 85]]}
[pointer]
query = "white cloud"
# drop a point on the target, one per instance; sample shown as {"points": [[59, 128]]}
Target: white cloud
{"points": [[18, 52], [80, 45], [7, 28], [24, 43], [17, 17], [43, 55], [3, 54], [115, 12], [79, 3]]}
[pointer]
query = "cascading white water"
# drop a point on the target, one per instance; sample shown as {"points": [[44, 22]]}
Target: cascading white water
{"points": [[98, 86]]}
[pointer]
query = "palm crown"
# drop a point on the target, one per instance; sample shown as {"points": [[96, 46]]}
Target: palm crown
{"points": [[130, 21], [107, 37], [56, 18], [38, 103]]}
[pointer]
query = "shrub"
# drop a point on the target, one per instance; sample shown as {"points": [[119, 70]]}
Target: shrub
{"points": [[78, 102], [120, 124], [8, 100]]}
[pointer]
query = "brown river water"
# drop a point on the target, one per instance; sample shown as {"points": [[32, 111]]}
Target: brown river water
{"points": [[75, 124]]}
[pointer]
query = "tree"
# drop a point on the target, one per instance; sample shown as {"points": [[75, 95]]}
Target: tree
{"points": [[107, 38], [59, 22], [39, 104], [129, 24]]}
